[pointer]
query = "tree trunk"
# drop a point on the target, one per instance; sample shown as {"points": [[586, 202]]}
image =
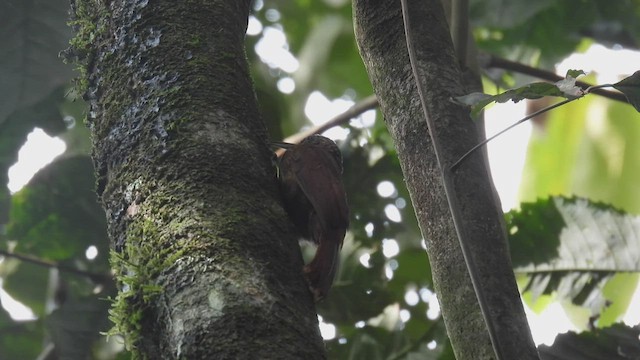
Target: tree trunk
{"points": [[205, 254], [381, 39]]}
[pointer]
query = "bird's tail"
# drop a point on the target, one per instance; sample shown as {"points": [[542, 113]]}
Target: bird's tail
{"points": [[321, 271]]}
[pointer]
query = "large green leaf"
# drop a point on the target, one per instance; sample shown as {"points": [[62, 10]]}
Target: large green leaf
{"points": [[531, 30], [573, 246]]}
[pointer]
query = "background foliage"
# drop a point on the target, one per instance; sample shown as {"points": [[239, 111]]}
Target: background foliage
{"points": [[382, 305]]}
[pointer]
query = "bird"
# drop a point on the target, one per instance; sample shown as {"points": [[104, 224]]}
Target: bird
{"points": [[314, 197]]}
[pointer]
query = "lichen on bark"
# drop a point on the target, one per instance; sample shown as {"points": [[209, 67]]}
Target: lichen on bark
{"points": [[206, 257]]}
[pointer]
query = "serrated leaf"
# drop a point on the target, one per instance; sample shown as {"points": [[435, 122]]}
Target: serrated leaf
{"points": [[630, 87], [573, 246]]}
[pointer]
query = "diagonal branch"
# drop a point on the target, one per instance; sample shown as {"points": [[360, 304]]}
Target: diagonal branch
{"points": [[368, 103], [360, 107]]}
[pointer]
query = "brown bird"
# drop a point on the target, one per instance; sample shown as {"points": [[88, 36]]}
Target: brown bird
{"points": [[315, 199]]}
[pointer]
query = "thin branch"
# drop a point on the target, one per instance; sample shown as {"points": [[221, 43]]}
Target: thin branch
{"points": [[490, 61], [532, 115], [95, 277], [368, 103]]}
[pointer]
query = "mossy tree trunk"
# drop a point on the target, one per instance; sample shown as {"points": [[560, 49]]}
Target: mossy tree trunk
{"points": [[381, 38], [205, 254]]}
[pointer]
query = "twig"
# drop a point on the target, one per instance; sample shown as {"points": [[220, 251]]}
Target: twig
{"points": [[532, 115], [490, 61], [95, 277]]}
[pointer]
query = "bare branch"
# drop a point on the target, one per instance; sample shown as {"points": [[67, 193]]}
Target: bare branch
{"points": [[368, 103]]}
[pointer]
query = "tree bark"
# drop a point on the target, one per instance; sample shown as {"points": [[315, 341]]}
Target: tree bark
{"points": [[206, 256], [381, 38]]}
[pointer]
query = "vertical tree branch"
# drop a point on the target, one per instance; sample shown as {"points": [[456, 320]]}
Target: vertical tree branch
{"points": [[380, 36]]}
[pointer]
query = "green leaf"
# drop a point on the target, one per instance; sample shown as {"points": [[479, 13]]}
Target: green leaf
{"points": [[573, 246], [630, 87], [542, 33], [531, 91], [574, 73]]}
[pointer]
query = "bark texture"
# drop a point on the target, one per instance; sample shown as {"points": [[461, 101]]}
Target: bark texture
{"points": [[205, 253], [381, 39]]}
